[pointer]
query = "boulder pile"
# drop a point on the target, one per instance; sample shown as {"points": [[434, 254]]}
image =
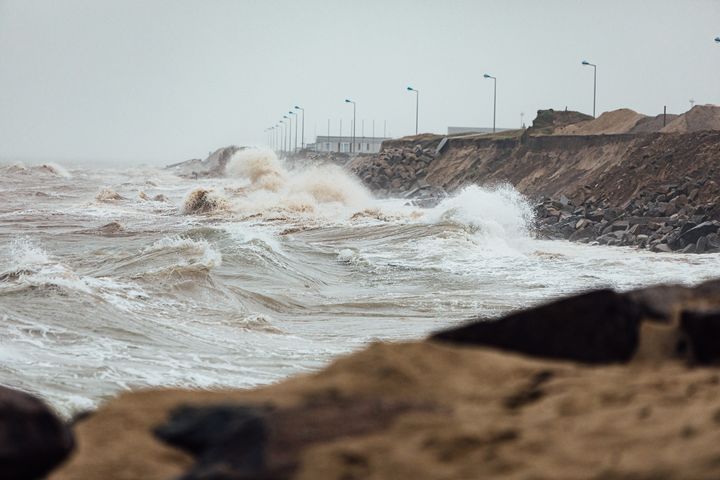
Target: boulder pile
{"points": [[400, 172], [668, 219]]}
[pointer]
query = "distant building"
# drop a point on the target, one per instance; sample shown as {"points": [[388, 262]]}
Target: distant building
{"points": [[461, 130], [342, 144]]}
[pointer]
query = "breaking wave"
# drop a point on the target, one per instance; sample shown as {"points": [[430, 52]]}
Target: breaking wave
{"points": [[107, 194], [178, 254], [55, 169], [498, 217], [272, 186], [203, 200], [28, 266], [49, 168]]}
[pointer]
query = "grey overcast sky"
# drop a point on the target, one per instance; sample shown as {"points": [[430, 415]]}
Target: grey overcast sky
{"points": [[167, 80]]}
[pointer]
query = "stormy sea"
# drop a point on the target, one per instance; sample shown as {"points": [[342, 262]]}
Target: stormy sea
{"points": [[116, 279]]}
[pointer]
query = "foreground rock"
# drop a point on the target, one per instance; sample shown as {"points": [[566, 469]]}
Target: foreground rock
{"points": [[236, 441], [596, 327], [477, 401], [33, 439]]}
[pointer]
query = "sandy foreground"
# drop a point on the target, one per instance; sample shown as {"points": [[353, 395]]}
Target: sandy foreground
{"points": [[431, 410]]}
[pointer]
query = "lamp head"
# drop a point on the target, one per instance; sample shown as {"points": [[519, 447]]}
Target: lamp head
{"points": [[585, 62], [347, 100], [410, 89], [717, 39], [298, 108]]}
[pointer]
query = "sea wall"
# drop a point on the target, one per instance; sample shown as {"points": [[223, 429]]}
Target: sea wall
{"points": [[580, 183]]}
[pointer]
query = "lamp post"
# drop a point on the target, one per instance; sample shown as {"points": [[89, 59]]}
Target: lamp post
{"points": [[494, 97], [289, 144], [296, 127], [586, 63], [417, 105], [283, 129], [288, 129], [302, 138], [352, 147]]}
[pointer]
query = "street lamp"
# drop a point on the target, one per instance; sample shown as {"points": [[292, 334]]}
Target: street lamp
{"points": [[494, 97], [281, 136], [289, 148], [296, 127], [288, 127], [302, 141], [586, 63], [352, 147], [417, 105]]}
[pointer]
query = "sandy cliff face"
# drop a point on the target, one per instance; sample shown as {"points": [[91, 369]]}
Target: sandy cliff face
{"points": [[612, 157], [656, 190], [612, 167]]}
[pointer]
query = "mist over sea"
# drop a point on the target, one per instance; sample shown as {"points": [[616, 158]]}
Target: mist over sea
{"points": [[112, 279]]}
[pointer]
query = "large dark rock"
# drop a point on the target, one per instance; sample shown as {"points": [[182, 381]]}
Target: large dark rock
{"points": [[228, 440], [33, 440], [702, 328], [694, 234], [234, 442], [595, 327]]}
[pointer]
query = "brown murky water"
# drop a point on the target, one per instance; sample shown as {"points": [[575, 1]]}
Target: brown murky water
{"points": [[108, 282]]}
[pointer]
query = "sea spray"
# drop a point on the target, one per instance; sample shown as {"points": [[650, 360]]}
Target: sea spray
{"points": [[261, 167], [202, 200], [50, 168], [497, 216], [55, 169], [271, 186]]}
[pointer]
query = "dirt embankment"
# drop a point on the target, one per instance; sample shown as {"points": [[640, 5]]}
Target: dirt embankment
{"points": [[599, 386], [586, 182]]}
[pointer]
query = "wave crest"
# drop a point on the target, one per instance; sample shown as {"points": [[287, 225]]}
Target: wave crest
{"points": [[498, 216], [203, 200], [107, 194], [182, 254]]}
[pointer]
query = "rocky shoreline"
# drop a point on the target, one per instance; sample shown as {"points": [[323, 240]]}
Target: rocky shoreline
{"points": [[646, 189], [650, 222]]}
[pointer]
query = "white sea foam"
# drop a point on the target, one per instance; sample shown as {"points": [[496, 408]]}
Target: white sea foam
{"points": [[28, 265], [55, 169], [271, 186], [50, 168], [107, 194], [500, 218]]}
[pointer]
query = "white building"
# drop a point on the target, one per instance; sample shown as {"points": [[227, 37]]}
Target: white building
{"points": [[342, 144]]}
